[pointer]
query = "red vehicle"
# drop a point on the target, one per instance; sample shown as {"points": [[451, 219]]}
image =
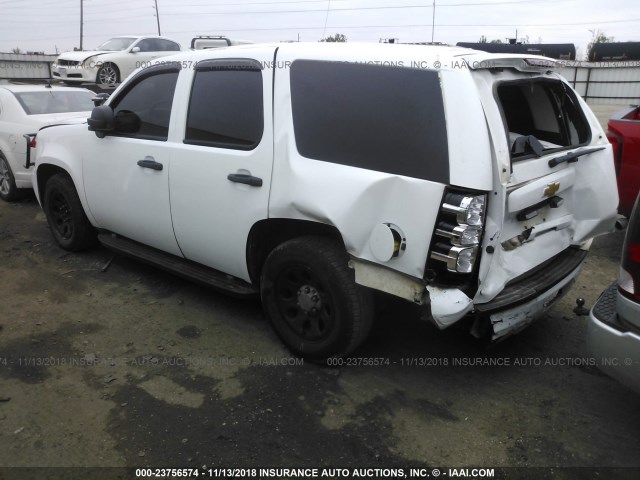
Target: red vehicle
{"points": [[624, 134]]}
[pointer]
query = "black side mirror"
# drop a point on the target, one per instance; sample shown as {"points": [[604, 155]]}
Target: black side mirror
{"points": [[127, 122], [99, 99], [101, 120]]}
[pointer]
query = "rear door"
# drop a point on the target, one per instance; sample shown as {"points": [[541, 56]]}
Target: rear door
{"points": [[555, 183], [221, 176]]}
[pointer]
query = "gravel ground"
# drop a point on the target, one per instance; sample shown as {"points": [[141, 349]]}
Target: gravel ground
{"points": [[134, 367]]}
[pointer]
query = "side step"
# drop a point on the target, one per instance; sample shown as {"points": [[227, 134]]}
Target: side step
{"points": [[178, 266]]}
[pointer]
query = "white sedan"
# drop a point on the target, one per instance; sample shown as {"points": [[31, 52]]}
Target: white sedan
{"points": [[113, 61], [24, 109]]}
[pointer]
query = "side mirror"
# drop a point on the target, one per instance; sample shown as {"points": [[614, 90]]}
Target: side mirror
{"points": [[135, 49], [127, 122], [99, 99], [101, 120]]}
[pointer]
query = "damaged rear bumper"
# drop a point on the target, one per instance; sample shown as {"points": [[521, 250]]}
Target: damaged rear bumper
{"points": [[526, 298], [522, 301]]}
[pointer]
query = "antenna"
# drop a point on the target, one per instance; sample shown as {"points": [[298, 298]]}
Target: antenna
{"points": [[157, 16], [81, 21], [433, 20]]}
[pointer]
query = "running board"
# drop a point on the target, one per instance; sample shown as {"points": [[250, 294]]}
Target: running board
{"points": [[178, 266]]}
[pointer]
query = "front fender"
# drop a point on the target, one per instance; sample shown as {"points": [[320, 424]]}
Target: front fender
{"points": [[57, 151]]}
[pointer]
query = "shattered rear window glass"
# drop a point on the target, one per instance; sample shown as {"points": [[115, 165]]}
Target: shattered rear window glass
{"points": [[542, 116]]}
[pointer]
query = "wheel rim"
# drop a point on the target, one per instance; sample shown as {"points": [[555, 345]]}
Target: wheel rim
{"points": [[61, 215], [107, 75], [4, 177], [303, 303]]}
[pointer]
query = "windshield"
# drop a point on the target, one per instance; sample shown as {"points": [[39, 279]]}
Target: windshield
{"points": [[42, 103], [542, 116], [116, 44]]}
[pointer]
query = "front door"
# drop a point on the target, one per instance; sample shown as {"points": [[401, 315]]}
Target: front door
{"points": [[126, 175]]}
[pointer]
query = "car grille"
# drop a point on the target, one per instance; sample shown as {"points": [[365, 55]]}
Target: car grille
{"points": [[68, 63]]}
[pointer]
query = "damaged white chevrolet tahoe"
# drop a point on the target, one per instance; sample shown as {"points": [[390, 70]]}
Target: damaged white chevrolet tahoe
{"points": [[467, 183]]}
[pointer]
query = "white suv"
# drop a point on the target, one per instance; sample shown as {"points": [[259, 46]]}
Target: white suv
{"points": [[313, 174]]}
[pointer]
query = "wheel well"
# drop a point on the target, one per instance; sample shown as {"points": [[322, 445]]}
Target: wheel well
{"points": [[112, 64], [266, 235], [45, 172]]}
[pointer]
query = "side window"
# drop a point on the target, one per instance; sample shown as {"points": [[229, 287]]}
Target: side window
{"points": [[147, 45], [166, 46], [383, 118], [226, 107], [144, 110]]}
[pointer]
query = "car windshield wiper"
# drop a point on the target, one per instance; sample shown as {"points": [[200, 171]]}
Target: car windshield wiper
{"points": [[573, 156]]}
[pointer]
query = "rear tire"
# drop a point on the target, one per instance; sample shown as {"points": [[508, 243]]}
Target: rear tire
{"points": [[311, 298], [8, 189], [69, 224]]}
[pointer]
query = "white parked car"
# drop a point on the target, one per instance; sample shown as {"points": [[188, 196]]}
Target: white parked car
{"points": [[113, 61], [469, 184], [24, 109]]}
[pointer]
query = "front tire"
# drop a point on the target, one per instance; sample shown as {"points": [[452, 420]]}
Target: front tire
{"points": [[69, 225], [311, 298], [108, 74], [8, 189]]}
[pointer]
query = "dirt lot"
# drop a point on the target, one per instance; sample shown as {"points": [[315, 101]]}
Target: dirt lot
{"points": [[134, 367]]}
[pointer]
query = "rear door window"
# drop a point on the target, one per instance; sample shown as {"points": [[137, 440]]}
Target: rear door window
{"points": [[226, 106], [541, 116]]}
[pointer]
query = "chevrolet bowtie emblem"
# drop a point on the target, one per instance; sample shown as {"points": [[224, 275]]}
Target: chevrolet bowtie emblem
{"points": [[551, 189]]}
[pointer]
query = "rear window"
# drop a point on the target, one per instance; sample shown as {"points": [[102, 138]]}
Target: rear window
{"points": [[41, 103], [386, 119], [542, 116]]}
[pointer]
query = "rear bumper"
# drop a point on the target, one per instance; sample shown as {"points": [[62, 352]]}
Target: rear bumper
{"points": [[522, 301], [528, 297], [615, 346], [535, 283], [512, 320]]}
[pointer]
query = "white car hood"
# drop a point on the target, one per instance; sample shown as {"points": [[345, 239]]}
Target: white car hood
{"points": [[67, 118], [80, 56]]}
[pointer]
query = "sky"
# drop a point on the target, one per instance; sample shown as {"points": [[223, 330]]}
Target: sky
{"points": [[53, 26]]}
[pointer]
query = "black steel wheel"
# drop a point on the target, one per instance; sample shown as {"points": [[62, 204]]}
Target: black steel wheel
{"points": [[311, 298], [65, 214]]}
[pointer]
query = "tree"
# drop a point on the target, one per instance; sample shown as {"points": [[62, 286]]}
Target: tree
{"points": [[16, 50], [496, 41], [338, 37], [597, 36], [483, 39]]}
